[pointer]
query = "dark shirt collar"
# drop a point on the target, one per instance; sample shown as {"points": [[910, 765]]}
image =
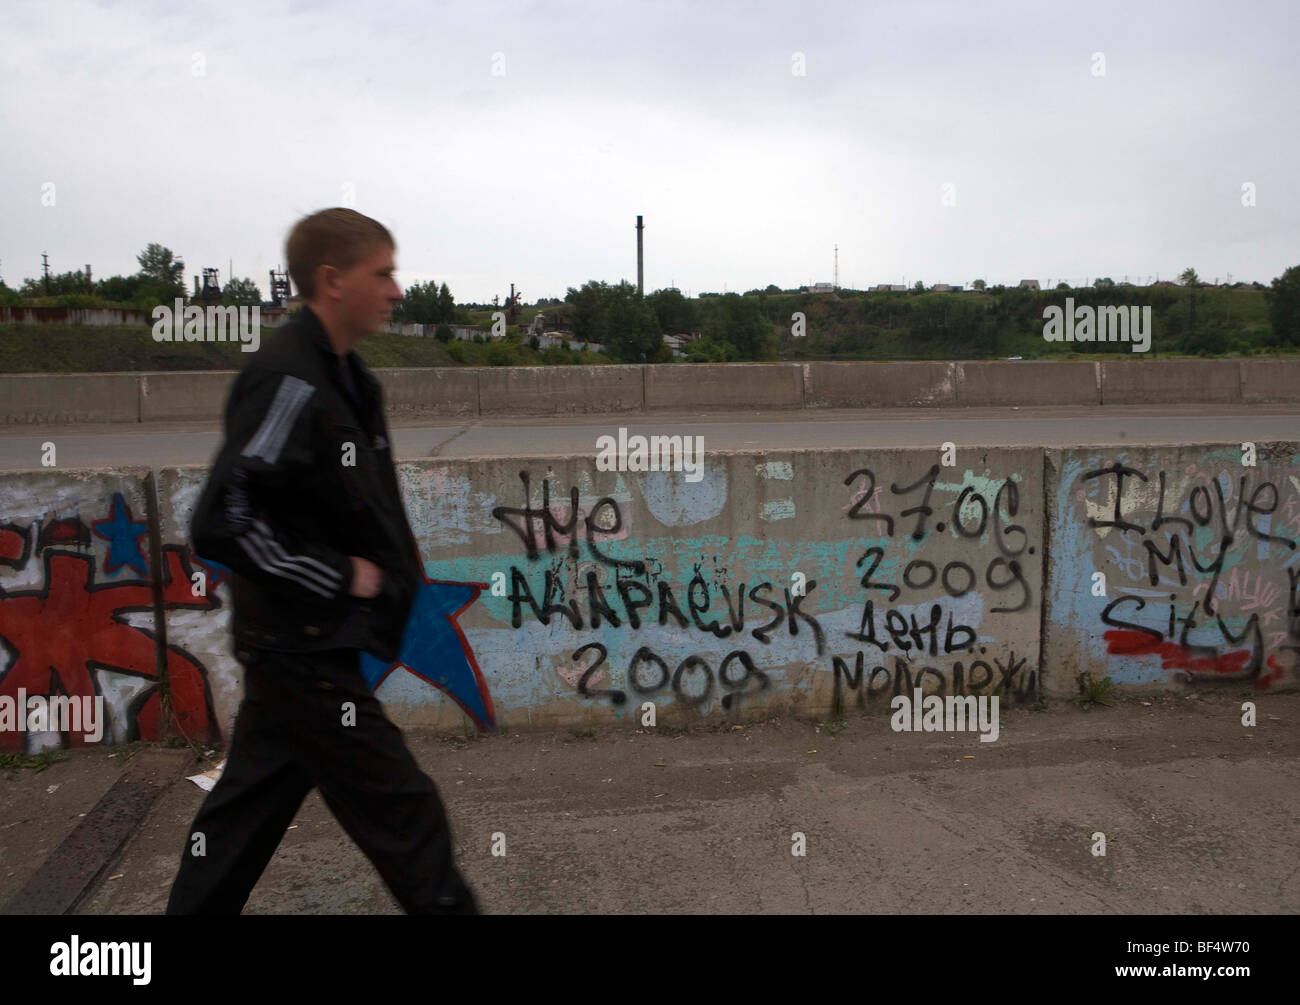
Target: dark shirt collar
{"points": [[315, 329], [320, 338]]}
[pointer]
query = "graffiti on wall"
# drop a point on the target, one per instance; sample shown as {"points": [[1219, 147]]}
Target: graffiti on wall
{"points": [[915, 631], [1182, 565], [556, 591], [924, 572], [76, 629], [435, 650]]}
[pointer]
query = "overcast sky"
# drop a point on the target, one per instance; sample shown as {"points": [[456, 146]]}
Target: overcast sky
{"points": [[518, 142]]}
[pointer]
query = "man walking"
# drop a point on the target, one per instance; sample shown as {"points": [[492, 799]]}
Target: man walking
{"points": [[303, 505]]}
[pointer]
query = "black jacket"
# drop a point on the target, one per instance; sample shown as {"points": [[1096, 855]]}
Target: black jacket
{"points": [[283, 508]]}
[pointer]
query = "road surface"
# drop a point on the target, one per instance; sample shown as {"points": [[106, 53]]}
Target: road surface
{"points": [[166, 444]]}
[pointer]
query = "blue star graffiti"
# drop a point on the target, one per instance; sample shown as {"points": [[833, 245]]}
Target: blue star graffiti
{"points": [[435, 649], [123, 533]]}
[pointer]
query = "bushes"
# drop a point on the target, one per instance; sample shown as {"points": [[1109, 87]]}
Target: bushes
{"points": [[502, 354], [80, 300], [710, 350], [1205, 342]]}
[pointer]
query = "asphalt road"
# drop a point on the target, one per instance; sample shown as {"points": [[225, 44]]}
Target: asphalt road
{"points": [[166, 444]]}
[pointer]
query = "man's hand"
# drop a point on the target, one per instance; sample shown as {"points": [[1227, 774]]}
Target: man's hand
{"points": [[366, 578]]}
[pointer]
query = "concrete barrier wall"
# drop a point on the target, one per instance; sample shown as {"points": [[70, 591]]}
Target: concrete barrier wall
{"points": [[78, 615], [35, 398], [98, 316], [723, 386], [1172, 381], [1174, 564], [193, 396], [1025, 382], [1268, 381], [879, 385], [799, 582], [466, 391], [541, 390], [776, 583], [415, 393]]}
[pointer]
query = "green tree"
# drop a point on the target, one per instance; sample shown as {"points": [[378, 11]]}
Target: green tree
{"points": [[631, 329], [119, 289], [1284, 307], [60, 283], [240, 292], [446, 304], [1190, 279], [1104, 283], [979, 284], [163, 272], [590, 304], [709, 350], [443, 332], [675, 313], [419, 305], [740, 323]]}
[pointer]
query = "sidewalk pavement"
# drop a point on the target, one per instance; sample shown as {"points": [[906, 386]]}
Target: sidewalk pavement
{"points": [[1200, 815]]}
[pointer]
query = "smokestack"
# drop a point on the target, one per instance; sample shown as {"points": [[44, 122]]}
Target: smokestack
{"points": [[196, 286], [640, 258]]}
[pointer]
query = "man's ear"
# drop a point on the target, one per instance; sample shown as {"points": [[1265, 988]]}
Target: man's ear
{"points": [[327, 282]]}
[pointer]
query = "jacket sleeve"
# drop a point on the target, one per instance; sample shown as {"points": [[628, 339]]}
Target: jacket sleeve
{"points": [[267, 425]]}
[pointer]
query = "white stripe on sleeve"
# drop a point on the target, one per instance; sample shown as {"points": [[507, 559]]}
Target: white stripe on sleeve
{"points": [[270, 437]]}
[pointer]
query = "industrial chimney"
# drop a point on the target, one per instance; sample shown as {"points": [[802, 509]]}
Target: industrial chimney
{"points": [[640, 259]]}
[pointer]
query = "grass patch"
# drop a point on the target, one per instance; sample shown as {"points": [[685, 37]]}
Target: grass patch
{"points": [[1093, 691], [13, 763], [66, 348]]}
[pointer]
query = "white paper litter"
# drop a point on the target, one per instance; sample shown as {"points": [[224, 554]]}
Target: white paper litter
{"points": [[208, 779]]}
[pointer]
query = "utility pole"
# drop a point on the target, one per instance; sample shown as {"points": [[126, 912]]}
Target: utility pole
{"points": [[45, 270]]}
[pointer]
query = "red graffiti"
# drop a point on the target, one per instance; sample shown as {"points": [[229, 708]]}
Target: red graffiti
{"points": [[1269, 679], [69, 531], [15, 544], [61, 633], [1172, 655]]}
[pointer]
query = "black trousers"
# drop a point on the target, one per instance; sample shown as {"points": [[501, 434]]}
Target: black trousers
{"points": [[309, 720]]}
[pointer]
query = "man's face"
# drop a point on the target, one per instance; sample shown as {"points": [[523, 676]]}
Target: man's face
{"points": [[368, 291]]}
